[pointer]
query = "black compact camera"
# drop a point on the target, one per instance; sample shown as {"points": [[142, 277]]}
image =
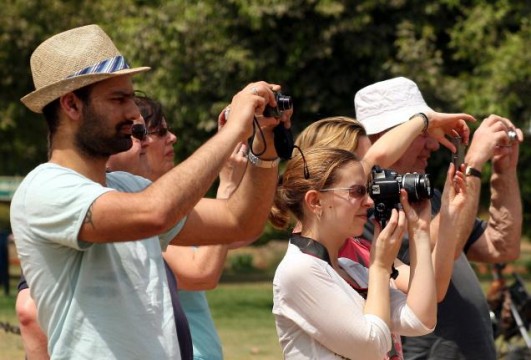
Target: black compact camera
{"points": [[385, 190], [284, 103], [283, 137]]}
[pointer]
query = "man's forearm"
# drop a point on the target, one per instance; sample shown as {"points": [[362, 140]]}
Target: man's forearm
{"points": [[131, 216], [178, 191], [252, 200], [501, 240], [504, 228]]}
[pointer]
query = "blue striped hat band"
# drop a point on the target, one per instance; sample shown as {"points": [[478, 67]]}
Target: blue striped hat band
{"points": [[106, 66]]}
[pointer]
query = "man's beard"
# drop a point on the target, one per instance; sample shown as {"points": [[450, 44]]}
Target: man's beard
{"points": [[93, 138]]}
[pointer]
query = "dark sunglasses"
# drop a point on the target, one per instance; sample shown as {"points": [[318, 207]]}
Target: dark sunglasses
{"points": [[139, 131], [160, 132], [354, 192]]}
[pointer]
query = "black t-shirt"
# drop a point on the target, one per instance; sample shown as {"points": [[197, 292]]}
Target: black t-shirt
{"points": [[464, 329]]}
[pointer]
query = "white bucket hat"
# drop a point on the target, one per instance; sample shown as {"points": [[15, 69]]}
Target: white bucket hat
{"points": [[388, 103], [71, 60]]}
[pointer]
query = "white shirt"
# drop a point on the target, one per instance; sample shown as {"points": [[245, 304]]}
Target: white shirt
{"points": [[318, 315]]}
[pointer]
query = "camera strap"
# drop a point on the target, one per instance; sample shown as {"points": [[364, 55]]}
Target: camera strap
{"points": [[314, 248], [310, 247]]}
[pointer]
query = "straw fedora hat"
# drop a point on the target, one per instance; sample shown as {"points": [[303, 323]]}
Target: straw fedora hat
{"points": [[388, 103], [71, 60]]}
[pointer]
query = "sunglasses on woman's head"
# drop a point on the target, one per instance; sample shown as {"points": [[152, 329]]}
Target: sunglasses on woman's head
{"points": [[139, 131]]}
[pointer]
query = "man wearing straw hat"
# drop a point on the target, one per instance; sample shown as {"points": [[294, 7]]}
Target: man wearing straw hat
{"points": [[90, 242], [464, 329]]}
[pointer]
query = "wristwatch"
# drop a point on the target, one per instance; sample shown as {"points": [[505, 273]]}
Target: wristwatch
{"points": [[470, 171], [266, 164]]}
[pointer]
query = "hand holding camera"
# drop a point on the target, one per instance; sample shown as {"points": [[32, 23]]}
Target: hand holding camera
{"points": [[387, 241], [246, 103], [497, 139], [284, 142], [385, 190], [283, 138], [442, 124]]}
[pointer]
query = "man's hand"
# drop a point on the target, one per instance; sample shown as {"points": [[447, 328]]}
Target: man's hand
{"points": [[248, 103], [442, 124], [491, 141]]}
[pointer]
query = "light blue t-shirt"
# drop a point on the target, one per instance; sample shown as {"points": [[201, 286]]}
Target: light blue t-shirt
{"points": [[205, 339], [94, 301]]}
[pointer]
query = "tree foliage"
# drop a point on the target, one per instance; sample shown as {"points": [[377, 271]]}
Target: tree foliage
{"points": [[465, 55]]}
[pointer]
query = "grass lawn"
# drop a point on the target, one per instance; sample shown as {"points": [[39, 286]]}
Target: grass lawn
{"points": [[242, 314]]}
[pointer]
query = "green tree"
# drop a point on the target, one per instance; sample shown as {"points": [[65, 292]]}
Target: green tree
{"points": [[471, 56], [465, 55]]}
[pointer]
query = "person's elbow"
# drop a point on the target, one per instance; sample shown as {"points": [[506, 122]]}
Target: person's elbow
{"points": [[25, 309], [508, 250], [157, 221], [247, 231], [441, 294], [510, 254], [252, 235], [430, 322], [202, 283], [209, 283], [425, 313]]}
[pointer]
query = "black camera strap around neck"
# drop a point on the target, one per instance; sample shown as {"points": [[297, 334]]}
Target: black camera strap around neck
{"points": [[314, 248], [310, 247]]}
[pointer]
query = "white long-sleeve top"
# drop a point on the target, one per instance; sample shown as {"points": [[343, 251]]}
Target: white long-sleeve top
{"points": [[318, 315]]}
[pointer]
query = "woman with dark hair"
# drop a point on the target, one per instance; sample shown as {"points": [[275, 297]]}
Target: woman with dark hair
{"points": [[196, 268]]}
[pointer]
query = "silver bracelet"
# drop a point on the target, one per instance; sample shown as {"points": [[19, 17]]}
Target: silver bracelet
{"points": [[266, 164]]}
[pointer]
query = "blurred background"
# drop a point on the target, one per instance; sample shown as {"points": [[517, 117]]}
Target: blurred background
{"points": [[466, 56]]}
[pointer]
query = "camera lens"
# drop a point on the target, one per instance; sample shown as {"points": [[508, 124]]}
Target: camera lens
{"points": [[418, 186], [284, 102]]}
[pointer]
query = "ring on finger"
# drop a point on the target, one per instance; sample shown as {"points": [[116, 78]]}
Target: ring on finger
{"points": [[226, 112], [254, 90]]}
